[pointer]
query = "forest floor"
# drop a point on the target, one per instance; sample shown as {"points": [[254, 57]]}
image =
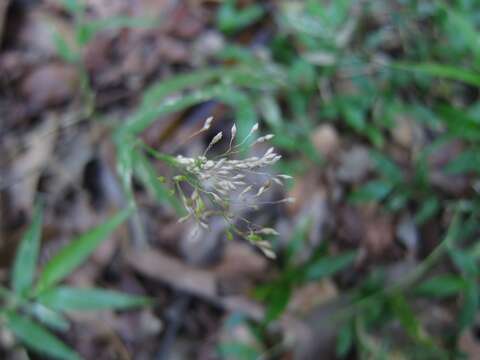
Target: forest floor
{"points": [[381, 144]]}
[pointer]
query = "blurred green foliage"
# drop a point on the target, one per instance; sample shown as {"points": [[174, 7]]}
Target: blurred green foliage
{"points": [[362, 65]]}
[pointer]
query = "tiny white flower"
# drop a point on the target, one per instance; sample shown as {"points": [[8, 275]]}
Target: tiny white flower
{"points": [[216, 138], [268, 231], [207, 123], [247, 189], [287, 177]]}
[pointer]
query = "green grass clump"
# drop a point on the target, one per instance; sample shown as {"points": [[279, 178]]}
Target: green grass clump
{"points": [[36, 302]]}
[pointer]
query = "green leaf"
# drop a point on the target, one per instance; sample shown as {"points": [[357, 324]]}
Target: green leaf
{"points": [[64, 50], [463, 28], [157, 92], [470, 303], [83, 33], [249, 76], [38, 338], [75, 253], [146, 115], [441, 286], [255, 75], [152, 108], [460, 123], [49, 317], [67, 298], [375, 190], [301, 74], [86, 30], [328, 266], [24, 267], [428, 209], [277, 300], [117, 22], [230, 19], [375, 135], [354, 117], [344, 340], [467, 161], [405, 315], [443, 71], [464, 261], [387, 167]]}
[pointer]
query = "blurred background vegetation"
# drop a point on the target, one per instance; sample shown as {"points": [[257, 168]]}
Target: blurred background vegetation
{"points": [[375, 108]]}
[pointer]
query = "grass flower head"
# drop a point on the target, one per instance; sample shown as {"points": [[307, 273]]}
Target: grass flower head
{"points": [[219, 182]]}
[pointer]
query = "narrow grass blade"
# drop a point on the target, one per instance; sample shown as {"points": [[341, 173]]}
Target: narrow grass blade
{"points": [[375, 190], [39, 338], [27, 253], [160, 90], [48, 317], [75, 253], [441, 286], [470, 304], [428, 208], [64, 49], [145, 116], [467, 161], [230, 18], [241, 75], [68, 298], [443, 71], [344, 340], [387, 167], [460, 123], [407, 317], [88, 29], [156, 105]]}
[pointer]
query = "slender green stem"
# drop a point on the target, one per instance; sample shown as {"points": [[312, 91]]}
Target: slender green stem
{"points": [[169, 159], [432, 258]]}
